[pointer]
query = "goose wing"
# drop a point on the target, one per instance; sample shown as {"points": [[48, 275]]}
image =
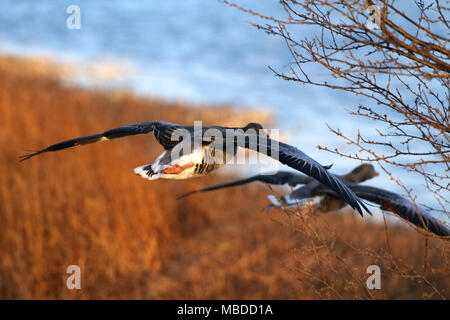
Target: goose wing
{"points": [[162, 132], [296, 159], [403, 207], [279, 178]]}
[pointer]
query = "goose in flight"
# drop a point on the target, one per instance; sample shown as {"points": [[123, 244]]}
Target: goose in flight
{"points": [[325, 200], [182, 159], [315, 197], [359, 174]]}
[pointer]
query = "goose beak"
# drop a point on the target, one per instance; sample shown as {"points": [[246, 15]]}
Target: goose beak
{"points": [[376, 174]]}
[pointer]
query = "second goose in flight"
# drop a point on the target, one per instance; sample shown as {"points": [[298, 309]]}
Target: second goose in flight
{"points": [[317, 198]]}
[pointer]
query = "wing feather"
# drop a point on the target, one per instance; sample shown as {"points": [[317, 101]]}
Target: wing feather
{"points": [[160, 129], [401, 206], [279, 178]]}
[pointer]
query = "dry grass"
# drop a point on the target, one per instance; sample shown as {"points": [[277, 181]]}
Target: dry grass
{"points": [[132, 239]]}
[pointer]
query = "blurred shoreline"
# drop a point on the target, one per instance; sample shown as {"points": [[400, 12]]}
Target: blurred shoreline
{"points": [[103, 75]]}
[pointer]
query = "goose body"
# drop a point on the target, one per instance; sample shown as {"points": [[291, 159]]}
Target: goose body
{"points": [[316, 198], [198, 163]]}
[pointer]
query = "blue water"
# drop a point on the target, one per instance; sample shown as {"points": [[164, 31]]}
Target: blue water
{"points": [[197, 51]]}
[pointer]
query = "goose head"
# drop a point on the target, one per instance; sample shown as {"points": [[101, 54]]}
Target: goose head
{"points": [[257, 127], [362, 173]]}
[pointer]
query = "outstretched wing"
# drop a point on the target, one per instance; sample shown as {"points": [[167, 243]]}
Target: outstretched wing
{"points": [[279, 178], [403, 207], [161, 134], [298, 160]]}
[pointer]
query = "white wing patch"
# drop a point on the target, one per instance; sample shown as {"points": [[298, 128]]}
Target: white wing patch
{"points": [[178, 169]]}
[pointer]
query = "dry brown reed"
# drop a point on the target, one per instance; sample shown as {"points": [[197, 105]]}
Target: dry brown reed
{"points": [[132, 239]]}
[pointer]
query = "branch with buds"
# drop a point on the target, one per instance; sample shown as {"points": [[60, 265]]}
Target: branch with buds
{"points": [[400, 66]]}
